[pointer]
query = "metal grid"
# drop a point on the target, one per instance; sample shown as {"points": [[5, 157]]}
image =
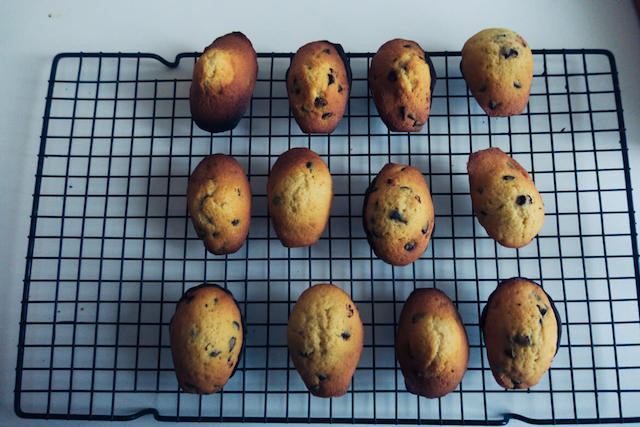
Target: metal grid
{"points": [[111, 248]]}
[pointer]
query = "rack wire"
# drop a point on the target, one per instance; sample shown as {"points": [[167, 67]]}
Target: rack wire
{"points": [[111, 248]]}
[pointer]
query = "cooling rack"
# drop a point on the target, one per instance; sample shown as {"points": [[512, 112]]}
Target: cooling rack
{"points": [[111, 248]]}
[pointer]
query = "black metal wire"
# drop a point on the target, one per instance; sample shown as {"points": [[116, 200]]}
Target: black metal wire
{"points": [[55, 375]]}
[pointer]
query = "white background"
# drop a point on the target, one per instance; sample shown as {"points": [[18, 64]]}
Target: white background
{"points": [[31, 33]]}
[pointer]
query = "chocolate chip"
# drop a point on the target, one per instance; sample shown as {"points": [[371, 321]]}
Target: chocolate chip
{"points": [[404, 187], [402, 169], [297, 91], [530, 199], [508, 52], [331, 79], [521, 200], [392, 76], [346, 335], [515, 383], [425, 229], [235, 222], [236, 324], [407, 46], [510, 165], [322, 377], [339, 88], [483, 89], [194, 332], [403, 112], [418, 199], [309, 164], [327, 51], [327, 115], [411, 116], [543, 310], [417, 317], [500, 36], [216, 234], [479, 190], [304, 354], [349, 310], [232, 343], [229, 358], [215, 301], [319, 102], [315, 387], [276, 200], [215, 353], [510, 353], [304, 109], [516, 84], [493, 105], [522, 42], [410, 246], [417, 123], [389, 181], [523, 340], [508, 177], [331, 69], [396, 216], [238, 190], [483, 213]]}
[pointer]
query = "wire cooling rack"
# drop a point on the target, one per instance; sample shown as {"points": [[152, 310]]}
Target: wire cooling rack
{"points": [[111, 248]]}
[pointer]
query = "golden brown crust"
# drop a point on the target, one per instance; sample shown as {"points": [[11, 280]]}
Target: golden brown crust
{"points": [[398, 215], [521, 333], [431, 344], [401, 80], [497, 65], [223, 80], [504, 198], [299, 193], [206, 335], [325, 338], [219, 201], [318, 87]]}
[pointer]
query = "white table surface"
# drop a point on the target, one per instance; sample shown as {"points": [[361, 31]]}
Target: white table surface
{"points": [[31, 33]]}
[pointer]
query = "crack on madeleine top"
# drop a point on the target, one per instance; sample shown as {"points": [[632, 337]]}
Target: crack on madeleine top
{"points": [[217, 70]]}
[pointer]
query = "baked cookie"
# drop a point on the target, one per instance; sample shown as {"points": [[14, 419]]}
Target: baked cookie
{"points": [[521, 329], [299, 193], [431, 344], [223, 80], [402, 79], [497, 65], [325, 337], [398, 214], [318, 84], [504, 198], [219, 201], [207, 336]]}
